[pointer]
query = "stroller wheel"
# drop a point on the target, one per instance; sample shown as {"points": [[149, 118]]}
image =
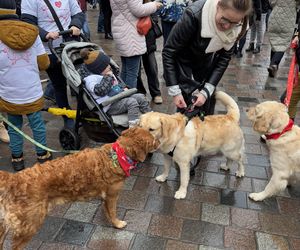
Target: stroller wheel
{"points": [[68, 139]]}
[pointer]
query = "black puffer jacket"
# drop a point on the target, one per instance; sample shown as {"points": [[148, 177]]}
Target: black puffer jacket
{"points": [[184, 54]]}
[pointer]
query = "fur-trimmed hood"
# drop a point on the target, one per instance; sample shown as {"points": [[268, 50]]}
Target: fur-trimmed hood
{"points": [[16, 34]]}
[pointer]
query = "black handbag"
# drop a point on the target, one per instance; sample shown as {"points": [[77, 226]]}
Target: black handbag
{"points": [[156, 28]]}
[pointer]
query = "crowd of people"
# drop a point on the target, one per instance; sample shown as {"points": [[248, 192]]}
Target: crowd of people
{"points": [[199, 39]]}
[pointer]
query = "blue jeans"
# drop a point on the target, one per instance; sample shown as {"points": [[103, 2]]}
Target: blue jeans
{"points": [[86, 28], [37, 126], [130, 70]]}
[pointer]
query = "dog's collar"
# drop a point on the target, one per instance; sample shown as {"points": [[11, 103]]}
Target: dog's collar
{"points": [[125, 162], [277, 135]]}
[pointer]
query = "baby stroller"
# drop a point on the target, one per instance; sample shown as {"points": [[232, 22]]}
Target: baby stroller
{"points": [[97, 124]]}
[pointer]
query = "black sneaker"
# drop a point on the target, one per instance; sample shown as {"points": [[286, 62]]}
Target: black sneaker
{"points": [[46, 156], [17, 162]]}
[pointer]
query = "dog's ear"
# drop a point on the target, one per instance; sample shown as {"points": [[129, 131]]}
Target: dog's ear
{"points": [[251, 114], [165, 127], [129, 132]]}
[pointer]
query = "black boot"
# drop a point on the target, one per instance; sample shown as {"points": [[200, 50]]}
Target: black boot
{"points": [[17, 162], [257, 49], [250, 48], [109, 36], [239, 54], [272, 70]]}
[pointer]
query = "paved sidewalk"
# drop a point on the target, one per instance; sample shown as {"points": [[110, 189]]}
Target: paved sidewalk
{"points": [[216, 214]]}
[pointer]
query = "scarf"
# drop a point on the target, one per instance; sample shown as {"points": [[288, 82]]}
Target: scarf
{"points": [[125, 162], [277, 135], [219, 39]]}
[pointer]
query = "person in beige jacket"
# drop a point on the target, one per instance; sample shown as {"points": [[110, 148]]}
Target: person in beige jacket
{"points": [[129, 43]]}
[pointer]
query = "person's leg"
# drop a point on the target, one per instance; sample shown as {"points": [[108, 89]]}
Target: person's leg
{"points": [[166, 29], [140, 85], [129, 105], [143, 102], [130, 70], [100, 27], [16, 140], [60, 87], [252, 35], [105, 4], [49, 92], [151, 70], [276, 59], [38, 128], [86, 28], [258, 25]]}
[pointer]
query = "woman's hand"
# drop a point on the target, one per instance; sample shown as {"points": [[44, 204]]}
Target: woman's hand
{"points": [[179, 101], [52, 35], [158, 5], [76, 31], [200, 100]]}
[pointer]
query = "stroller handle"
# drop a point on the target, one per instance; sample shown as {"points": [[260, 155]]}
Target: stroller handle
{"points": [[62, 33]]}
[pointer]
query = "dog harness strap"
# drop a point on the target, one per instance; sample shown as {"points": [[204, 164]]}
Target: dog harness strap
{"points": [[277, 135], [125, 162]]}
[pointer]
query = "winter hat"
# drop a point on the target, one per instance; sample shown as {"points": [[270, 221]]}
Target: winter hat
{"points": [[7, 7], [96, 61]]}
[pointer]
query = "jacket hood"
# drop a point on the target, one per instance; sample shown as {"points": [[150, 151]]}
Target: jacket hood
{"points": [[17, 35]]}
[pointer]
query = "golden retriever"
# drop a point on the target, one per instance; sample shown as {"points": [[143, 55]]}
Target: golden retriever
{"points": [[188, 139], [271, 118], [26, 197]]}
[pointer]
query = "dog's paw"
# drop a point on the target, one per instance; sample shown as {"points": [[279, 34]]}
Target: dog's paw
{"points": [[180, 195], [223, 166], [256, 196], [121, 224], [161, 178], [239, 173]]}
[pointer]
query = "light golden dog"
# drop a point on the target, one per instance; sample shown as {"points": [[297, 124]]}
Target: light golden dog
{"points": [[26, 196], [188, 139], [271, 119]]}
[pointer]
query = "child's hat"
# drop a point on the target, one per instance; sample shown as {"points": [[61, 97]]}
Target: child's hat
{"points": [[96, 61], [7, 7]]}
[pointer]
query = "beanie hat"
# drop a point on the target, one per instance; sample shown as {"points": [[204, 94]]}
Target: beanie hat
{"points": [[7, 7], [96, 61]]}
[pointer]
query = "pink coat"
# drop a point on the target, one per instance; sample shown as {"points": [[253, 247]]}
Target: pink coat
{"points": [[124, 18]]}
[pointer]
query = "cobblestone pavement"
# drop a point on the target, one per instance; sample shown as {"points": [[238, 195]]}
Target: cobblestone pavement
{"points": [[216, 214]]}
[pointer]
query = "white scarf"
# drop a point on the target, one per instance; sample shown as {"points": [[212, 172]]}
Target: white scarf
{"points": [[219, 39]]}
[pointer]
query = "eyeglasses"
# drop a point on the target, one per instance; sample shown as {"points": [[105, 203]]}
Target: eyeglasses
{"points": [[226, 21]]}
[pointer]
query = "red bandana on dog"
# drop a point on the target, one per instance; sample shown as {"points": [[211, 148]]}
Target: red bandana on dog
{"points": [[125, 162], [277, 135]]}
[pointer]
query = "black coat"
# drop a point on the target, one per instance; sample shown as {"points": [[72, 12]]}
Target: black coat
{"points": [[184, 54]]}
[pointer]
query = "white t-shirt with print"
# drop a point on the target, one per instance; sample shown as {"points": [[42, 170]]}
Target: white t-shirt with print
{"points": [[19, 73], [64, 9]]}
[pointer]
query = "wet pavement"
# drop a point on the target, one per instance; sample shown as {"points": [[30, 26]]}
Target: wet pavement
{"points": [[216, 214]]}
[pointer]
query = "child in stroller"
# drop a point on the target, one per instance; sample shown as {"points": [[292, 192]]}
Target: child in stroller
{"points": [[103, 84]]}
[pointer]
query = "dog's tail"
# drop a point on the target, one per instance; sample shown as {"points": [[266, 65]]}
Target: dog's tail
{"points": [[230, 104]]}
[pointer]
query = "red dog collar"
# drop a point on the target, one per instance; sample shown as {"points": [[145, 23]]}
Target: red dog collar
{"points": [[125, 162], [277, 135]]}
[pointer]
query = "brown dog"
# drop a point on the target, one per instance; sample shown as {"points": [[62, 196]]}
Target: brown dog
{"points": [[26, 197]]}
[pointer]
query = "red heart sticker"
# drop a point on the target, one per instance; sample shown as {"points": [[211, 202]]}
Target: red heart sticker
{"points": [[58, 4]]}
